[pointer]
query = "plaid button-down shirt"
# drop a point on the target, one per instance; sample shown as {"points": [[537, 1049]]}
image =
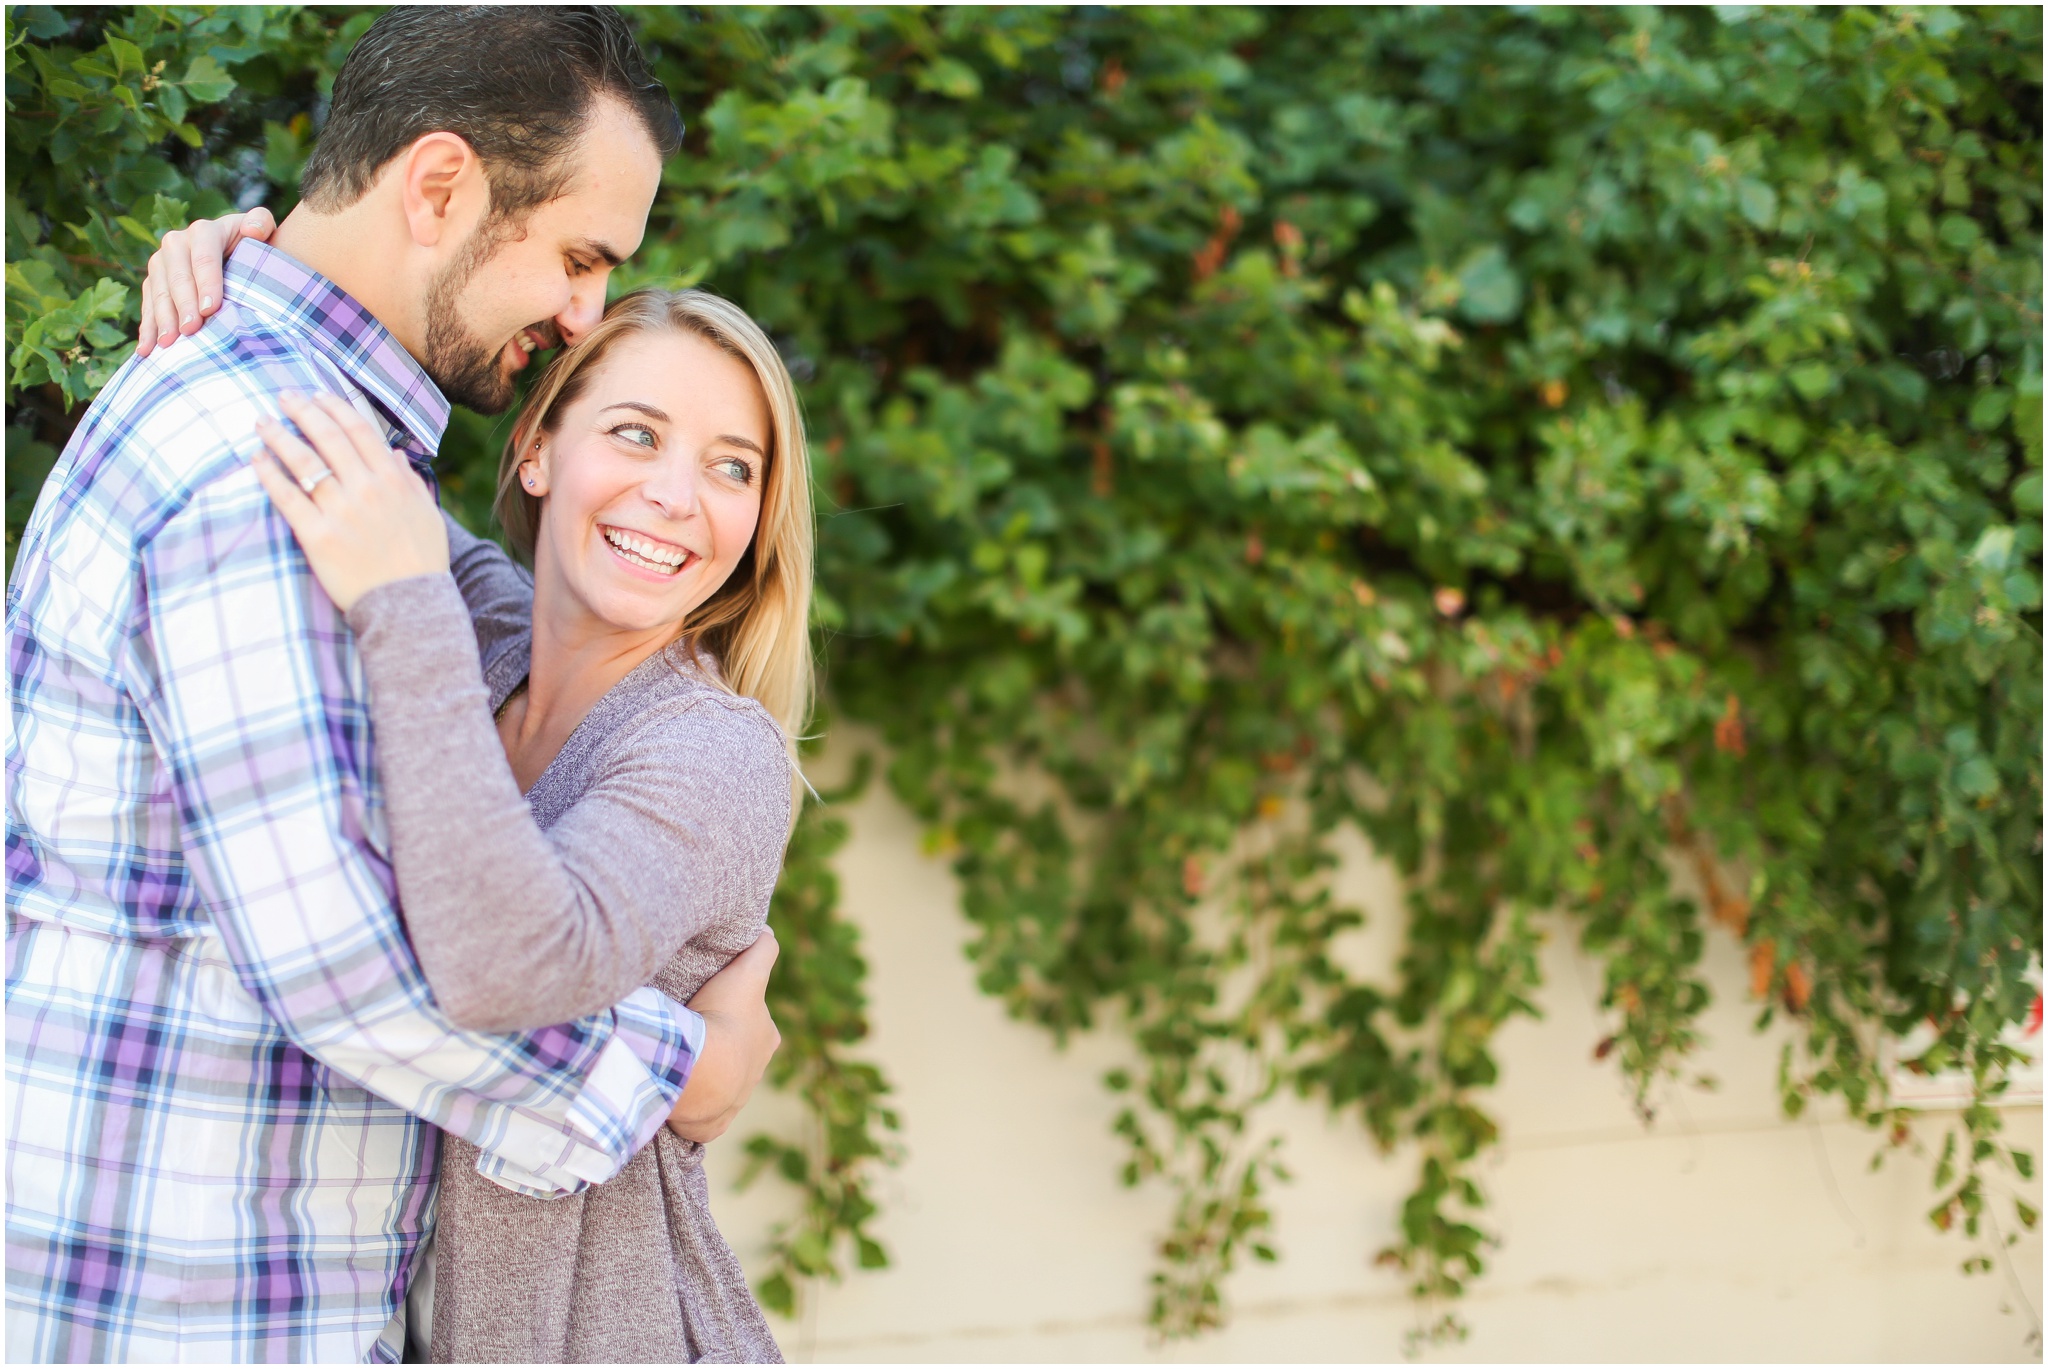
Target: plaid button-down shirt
{"points": [[220, 1048]]}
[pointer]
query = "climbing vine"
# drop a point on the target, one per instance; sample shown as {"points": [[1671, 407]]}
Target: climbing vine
{"points": [[1593, 454]]}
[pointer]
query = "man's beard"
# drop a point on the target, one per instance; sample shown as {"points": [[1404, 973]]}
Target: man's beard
{"points": [[469, 371]]}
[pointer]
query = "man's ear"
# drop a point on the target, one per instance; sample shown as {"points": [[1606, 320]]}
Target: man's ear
{"points": [[442, 188]]}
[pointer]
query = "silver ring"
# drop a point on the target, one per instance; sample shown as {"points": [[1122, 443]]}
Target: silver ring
{"points": [[310, 481]]}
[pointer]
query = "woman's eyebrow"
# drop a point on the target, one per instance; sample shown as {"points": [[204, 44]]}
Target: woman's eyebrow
{"points": [[637, 407], [743, 442]]}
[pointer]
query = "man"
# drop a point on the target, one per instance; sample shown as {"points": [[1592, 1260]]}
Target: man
{"points": [[223, 1058]]}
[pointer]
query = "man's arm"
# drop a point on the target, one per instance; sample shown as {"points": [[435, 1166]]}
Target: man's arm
{"points": [[249, 681]]}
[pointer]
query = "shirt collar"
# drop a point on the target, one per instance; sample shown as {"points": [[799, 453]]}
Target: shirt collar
{"points": [[287, 291]]}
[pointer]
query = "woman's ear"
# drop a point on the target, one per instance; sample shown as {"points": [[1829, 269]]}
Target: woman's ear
{"points": [[533, 469], [533, 476]]}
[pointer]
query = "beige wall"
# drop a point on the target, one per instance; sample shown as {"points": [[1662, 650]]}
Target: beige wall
{"points": [[1726, 1233]]}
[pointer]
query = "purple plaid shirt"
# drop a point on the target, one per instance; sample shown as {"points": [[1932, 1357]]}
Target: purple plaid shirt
{"points": [[222, 1055]]}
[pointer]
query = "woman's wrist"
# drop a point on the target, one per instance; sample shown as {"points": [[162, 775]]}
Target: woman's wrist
{"points": [[710, 1096], [410, 597]]}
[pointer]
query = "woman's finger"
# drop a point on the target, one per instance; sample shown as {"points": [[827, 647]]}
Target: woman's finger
{"points": [[759, 958], [329, 438], [299, 512], [166, 316], [300, 461], [156, 303], [210, 239], [258, 223], [145, 333], [177, 254], [377, 455]]}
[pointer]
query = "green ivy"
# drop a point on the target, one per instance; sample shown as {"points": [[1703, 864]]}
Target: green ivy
{"points": [[1596, 454]]}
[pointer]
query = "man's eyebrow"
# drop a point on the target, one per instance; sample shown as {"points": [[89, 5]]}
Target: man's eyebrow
{"points": [[610, 255]]}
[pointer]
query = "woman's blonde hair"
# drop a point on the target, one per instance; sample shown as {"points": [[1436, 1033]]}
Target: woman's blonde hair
{"points": [[757, 625]]}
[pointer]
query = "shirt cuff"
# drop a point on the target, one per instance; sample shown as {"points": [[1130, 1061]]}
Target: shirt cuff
{"points": [[626, 1100], [666, 1036]]}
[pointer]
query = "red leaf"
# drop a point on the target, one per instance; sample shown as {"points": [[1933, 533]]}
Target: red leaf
{"points": [[1728, 734]]}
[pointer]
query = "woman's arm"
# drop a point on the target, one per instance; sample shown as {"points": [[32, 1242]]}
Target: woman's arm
{"points": [[513, 924], [739, 1040], [496, 589]]}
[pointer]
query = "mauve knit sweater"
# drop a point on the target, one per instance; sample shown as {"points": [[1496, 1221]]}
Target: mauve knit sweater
{"points": [[645, 853]]}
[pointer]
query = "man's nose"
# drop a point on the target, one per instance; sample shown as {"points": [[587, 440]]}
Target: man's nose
{"points": [[586, 307]]}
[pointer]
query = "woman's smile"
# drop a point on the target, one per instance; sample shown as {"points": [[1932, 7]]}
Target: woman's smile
{"points": [[647, 555]]}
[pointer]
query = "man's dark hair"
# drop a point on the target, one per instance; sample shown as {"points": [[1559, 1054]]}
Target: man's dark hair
{"points": [[517, 82]]}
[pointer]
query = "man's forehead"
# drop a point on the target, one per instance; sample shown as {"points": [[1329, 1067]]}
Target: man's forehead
{"points": [[602, 212]]}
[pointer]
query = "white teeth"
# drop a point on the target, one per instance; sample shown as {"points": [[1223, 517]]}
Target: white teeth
{"points": [[525, 344], [665, 559]]}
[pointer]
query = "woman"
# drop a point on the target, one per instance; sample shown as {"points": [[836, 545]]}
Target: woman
{"points": [[590, 791]]}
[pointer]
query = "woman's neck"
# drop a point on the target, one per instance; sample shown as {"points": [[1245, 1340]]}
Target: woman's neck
{"points": [[576, 661]]}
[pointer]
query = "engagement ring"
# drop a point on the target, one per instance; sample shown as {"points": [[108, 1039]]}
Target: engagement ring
{"points": [[310, 481]]}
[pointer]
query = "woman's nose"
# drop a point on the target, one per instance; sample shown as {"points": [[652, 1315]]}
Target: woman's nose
{"points": [[673, 488]]}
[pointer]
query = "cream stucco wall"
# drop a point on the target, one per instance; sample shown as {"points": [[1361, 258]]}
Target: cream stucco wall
{"points": [[1725, 1233]]}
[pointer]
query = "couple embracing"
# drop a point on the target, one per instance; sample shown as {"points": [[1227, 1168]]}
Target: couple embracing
{"points": [[386, 919]]}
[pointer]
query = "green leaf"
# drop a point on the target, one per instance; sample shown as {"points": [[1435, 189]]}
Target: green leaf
{"points": [[1813, 380], [950, 77], [1491, 291], [777, 1294], [127, 56], [1758, 202], [1989, 409], [206, 81]]}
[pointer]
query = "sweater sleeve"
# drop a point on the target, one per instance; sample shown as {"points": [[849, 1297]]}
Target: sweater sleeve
{"points": [[682, 825], [496, 589]]}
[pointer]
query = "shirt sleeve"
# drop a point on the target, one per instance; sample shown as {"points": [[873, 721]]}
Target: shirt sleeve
{"points": [[251, 687], [681, 827]]}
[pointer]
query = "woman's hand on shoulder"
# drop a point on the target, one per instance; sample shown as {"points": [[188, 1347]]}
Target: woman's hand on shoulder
{"points": [[361, 513], [740, 1038], [183, 286]]}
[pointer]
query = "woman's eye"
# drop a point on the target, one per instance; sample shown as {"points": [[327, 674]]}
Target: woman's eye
{"points": [[635, 434], [738, 470]]}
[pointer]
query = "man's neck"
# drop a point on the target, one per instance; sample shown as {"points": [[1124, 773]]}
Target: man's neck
{"points": [[335, 246]]}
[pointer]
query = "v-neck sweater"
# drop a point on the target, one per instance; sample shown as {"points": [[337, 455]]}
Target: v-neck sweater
{"points": [[646, 853]]}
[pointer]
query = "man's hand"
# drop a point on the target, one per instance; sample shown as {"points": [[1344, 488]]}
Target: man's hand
{"points": [[739, 1040], [183, 286]]}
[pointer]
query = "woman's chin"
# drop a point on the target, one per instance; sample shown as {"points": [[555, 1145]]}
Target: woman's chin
{"points": [[630, 608], [632, 600]]}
